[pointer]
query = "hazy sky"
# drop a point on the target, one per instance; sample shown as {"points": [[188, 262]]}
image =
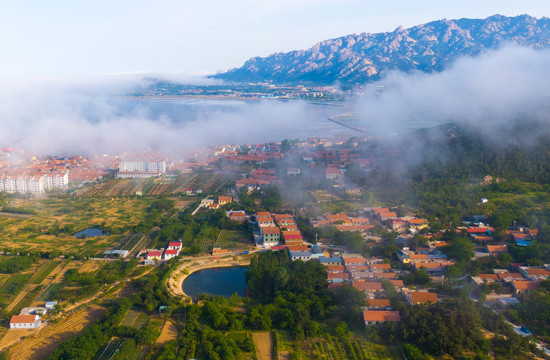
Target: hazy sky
{"points": [[50, 38]]}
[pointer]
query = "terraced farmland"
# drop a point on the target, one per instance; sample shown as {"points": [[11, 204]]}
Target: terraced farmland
{"points": [[41, 345], [207, 181]]}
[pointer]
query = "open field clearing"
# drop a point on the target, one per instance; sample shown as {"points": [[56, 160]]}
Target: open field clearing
{"points": [[264, 345], [57, 219], [233, 239], [169, 332], [42, 344], [90, 265]]}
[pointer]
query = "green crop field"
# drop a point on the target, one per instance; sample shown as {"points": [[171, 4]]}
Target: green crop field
{"points": [[43, 272]]}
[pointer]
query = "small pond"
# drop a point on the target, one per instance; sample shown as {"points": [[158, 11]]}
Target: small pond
{"points": [[218, 282], [91, 232]]}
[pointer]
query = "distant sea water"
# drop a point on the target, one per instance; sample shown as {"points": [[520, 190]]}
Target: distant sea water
{"points": [[181, 110], [193, 110]]}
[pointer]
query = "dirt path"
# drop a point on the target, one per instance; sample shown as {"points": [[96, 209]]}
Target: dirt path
{"points": [[264, 345], [169, 332]]}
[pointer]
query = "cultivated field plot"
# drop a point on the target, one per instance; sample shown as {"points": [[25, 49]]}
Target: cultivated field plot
{"points": [[90, 266], [57, 219], [233, 239], [13, 336], [42, 273], [207, 181], [332, 348], [30, 293], [130, 318], [141, 320], [169, 332], [115, 347], [48, 291], [14, 284], [264, 345], [42, 344]]}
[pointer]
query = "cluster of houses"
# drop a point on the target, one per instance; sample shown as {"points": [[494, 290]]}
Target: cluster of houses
{"points": [[258, 154], [152, 255], [345, 223], [368, 275], [515, 281], [258, 178], [281, 232], [214, 204], [31, 317]]}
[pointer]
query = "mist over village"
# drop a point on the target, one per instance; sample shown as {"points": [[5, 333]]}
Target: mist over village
{"points": [[315, 180]]}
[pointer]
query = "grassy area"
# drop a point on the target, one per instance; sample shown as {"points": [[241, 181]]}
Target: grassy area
{"points": [[233, 239], [57, 219], [14, 284], [47, 294]]}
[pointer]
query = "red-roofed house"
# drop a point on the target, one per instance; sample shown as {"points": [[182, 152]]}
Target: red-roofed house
{"points": [[378, 303], [222, 200], [25, 322], [371, 317], [174, 245], [368, 286], [524, 286], [421, 297], [168, 254], [154, 255]]}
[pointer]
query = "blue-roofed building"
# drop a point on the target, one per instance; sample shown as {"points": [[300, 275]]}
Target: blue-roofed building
{"points": [[316, 252], [330, 260], [300, 255], [523, 242]]}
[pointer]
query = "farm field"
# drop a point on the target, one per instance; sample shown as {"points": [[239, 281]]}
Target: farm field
{"points": [[25, 298], [42, 344], [57, 219], [207, 181], [332, 348], [169, 332], [135, 319], [115, 347], [42, 273], [264, 345]]}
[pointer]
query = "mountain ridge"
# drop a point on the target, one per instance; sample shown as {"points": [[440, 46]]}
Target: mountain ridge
{"points": [[360, 58]]}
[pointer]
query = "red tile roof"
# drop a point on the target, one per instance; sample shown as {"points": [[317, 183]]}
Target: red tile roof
{"points": [[380, 315]]}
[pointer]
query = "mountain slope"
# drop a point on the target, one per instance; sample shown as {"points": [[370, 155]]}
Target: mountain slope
{"points": [[360, 58]]}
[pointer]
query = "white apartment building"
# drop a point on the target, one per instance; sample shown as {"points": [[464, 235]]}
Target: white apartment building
{"points": [[34, 184], [56, 181], [142, 166]]}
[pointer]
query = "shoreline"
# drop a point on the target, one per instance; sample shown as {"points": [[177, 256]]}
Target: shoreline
{"points": [[175, 282]]}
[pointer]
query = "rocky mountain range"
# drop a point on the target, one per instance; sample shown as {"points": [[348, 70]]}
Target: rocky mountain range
{"points": [[365, 57]]}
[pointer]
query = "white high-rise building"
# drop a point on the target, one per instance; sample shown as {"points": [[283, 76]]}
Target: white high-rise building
{"points": [[142, 166], [35, 184], [56, 181]]}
